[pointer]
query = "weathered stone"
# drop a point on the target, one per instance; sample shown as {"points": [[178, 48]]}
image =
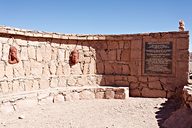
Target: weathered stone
{"points": [[132, 79], [5, 52], [26, 103], [100, 68], [155, 85], [125, 55], [62, 82], [109, 94], [66, 69], [39, 54], [59, 69], [99, 95], [16, 86], [28, 85], [1, 49], [103, 54], [54, 54], [86, 95], [133, 85], [35, 85], [71, 82], [5, 87], [36, 69], [112, 55], [6, 108], [127, 45], [119, 96], [46, 71], [92, 67], [182, 43], [18, 70], [61, 54], [44, 83], [117, 68], [76, 69], [136, 44], [118, 54], [9, 71], [72, 96], [135, 93], [126, 70], [143, 79], [150, 78], [82, 81], [27, 68], [54, 82], [46, 55], [146, 92], [109, 80], [24, 53], [2, 69], [112, 44], [53, 67], [109, 69], [31, 52], [58, 98]]}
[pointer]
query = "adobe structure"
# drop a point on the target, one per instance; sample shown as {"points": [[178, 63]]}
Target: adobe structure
{"points": [[92, 66]]}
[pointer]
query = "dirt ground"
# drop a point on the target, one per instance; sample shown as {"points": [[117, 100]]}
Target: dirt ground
{"points": [[130, 113]]}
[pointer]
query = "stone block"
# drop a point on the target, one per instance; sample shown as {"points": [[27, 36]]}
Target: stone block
{"points": [[1, 45], [103, 54], [46, 71], [133, 85], [28, 85], [100, 68], [136, 44], [4, 87], [109, 69], [2, 69], [182, 43], [39, 54], [86, 95], [121, 44], [54, 54], [36, 85], [112, 44], [183, 55], [125, 55], [15, 85], [27, 68], [36, 69], [46, 55], [72, 96], [76, 69], [146, 92], [62, 82], [61, 54], [53, 82], [58, 98], [6, 108], [132, 79], [31, 52], [9, 71], [59, 71], [92, 67], [26, 103], [135, 93], [109, 80], [71, 81], [126, 70], [135, 54], [44, 83], [99, 95], [5, 52], [18, 70], [127, 45], [117, 68], [53, 67], [118, 54], [66, 69], [119, 96], [143, 79], [24, 53], [155, 85], [112, 55], [109, 94]]}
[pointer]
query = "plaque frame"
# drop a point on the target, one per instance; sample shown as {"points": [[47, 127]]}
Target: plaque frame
{"points": [[172, 62]]}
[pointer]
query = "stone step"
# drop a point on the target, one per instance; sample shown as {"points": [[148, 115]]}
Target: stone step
{"points": [[13, 102]]}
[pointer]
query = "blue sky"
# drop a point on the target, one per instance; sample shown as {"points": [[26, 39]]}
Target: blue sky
{"points": [[97, 16]]}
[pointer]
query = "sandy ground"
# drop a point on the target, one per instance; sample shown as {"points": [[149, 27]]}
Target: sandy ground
{"points": [[130, 113]]}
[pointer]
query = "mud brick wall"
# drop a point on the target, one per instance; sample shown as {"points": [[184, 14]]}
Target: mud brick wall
{"points": [[150, 64]]}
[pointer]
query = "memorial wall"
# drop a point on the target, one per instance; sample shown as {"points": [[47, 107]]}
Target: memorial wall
{"points": [[150, 64]]}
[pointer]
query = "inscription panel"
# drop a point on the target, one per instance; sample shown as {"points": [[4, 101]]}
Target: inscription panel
{"points": [[158, 58]]}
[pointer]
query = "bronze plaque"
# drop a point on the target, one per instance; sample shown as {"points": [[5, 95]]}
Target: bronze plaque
{"points": [[158, 58]]}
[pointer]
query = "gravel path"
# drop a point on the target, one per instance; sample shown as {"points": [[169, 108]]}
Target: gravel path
{"points": [[130, 113]]}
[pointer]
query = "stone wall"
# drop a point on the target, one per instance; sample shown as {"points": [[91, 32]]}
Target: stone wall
{"points": [[109, 60], [187, 96]]}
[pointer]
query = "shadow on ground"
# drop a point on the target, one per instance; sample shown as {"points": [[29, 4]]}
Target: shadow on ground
{"points": [[166, 110]]}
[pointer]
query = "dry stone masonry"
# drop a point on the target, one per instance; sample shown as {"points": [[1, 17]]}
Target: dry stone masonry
{"points": [[150, 64]]}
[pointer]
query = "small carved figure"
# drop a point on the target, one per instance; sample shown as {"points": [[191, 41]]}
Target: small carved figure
{"points": [[181, 25], [74, 57], [12, 58]]}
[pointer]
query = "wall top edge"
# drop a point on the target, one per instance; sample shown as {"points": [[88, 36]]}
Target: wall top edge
{"points": [[41, 34]]}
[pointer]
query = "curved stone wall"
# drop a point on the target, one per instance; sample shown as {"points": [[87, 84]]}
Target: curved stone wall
{"points": [[150, 64]]}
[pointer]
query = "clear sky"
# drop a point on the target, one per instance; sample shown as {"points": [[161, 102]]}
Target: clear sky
{"points": [[97, 16]]}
